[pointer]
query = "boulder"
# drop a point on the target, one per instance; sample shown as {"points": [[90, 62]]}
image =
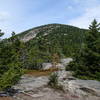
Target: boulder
{"points": [[66, 61], [3, 94], [63, 62], [46, 66]]}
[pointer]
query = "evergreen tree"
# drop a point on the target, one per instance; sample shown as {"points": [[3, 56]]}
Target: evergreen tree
{"points": [[92, 50], [10, 64], [87, 63]]}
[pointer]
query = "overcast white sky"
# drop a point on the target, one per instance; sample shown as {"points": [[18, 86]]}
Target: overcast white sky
{"points": [[20, 15]]}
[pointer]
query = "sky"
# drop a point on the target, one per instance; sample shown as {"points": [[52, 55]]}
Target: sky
{"points": [[20, 15]]}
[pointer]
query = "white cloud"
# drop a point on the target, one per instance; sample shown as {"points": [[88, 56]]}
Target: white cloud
{"points": [[85, 19], [70, 7], [4, 16]]}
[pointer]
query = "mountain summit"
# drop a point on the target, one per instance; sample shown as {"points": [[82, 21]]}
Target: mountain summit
{"points": [[52, 37], [47, 30]]}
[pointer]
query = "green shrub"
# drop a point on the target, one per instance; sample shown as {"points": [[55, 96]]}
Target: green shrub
{"points": [[53, 80], [10, 78]]}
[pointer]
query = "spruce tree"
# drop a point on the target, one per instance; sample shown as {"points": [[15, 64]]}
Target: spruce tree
{"points": [[87, 63], [10, 64], [92, 50]]}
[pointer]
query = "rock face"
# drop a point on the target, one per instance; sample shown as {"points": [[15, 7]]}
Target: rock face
{"points": [[28, 83], [32, 33], [63, 63], [35, 88], [84, 87], [78, 87]]}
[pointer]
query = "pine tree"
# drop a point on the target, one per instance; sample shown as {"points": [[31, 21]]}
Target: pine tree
{"points": [[87, 63], [10, 64], [92, 51]]}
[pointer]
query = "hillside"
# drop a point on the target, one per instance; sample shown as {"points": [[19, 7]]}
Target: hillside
{"points": [[48, 43], [46, 29], [68, 39]]}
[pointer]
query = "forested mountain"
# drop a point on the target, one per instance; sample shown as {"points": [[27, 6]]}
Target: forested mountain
{"points": [[43, 42], [55, 38]]}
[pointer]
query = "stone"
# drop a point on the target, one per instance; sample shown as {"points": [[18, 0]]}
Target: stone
{"points": [[3, 94], [82, 87], [28, 83], [46, 66], [66, 61]]}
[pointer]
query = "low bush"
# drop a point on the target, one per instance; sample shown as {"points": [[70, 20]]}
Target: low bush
{"points": [[53, 80]]}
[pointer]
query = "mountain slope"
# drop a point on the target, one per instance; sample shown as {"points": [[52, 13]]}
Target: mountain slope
{"points": [[68, 39], [51, 42], [46, 29]]}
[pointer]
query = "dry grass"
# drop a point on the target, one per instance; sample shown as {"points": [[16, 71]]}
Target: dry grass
{"points": [[40, 72], [6, 98]]}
